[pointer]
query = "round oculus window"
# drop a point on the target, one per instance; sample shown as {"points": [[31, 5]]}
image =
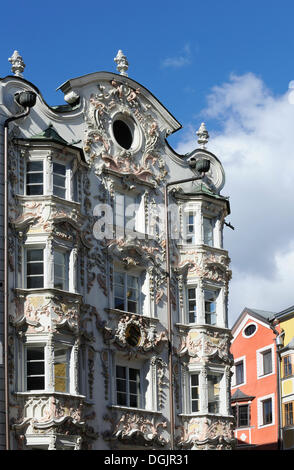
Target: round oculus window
{"points": [[250, 330], [123, 134]]}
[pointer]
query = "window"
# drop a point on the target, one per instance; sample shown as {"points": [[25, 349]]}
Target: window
{"points": [[34, 178], [128, 386], [242, 415], [213, 392], [287, 365], [239, 373], [194, 387], [34, 268], [267, 362], [288, 417], [250, 330], [59, 180], [267, 411], [126, 292], [60, 270], [208, 231], [190, 228], [191, 300], [264, 358], [35, 368], [126, 209], [123, 134], [61, 369], [210, 297]]}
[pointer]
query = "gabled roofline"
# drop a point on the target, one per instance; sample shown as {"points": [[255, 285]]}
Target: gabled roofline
{"points": [[84, 80], [253, 313]]}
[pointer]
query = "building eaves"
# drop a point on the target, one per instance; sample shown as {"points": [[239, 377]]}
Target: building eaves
{"points": [[240, 396]]}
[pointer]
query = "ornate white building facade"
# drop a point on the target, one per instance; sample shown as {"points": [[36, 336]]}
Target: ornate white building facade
{"points": [[108, 343]]}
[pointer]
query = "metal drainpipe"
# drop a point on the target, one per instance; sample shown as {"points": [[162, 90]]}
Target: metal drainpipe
{"points": [[6, 384], [169, 314], [278, 346]]}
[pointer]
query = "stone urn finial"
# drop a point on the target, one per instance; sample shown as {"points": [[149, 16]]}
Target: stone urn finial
{"points": [[122, 63], [18, 64], [203, 135]]}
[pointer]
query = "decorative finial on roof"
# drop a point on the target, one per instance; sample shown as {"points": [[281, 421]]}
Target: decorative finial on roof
{"points": [[122, 63], [18, 64], [203, 135]]}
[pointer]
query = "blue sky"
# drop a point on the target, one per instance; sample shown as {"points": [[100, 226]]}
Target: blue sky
{"points": [[226, 62]]}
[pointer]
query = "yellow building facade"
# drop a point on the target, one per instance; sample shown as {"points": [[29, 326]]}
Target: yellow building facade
{"points": [[285, 322]]}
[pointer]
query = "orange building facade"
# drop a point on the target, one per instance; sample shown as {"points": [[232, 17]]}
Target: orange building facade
{"points": [[254, 392]]}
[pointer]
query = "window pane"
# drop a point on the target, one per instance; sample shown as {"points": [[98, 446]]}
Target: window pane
{"points": [[267, 362], [192, 293], [35, 354], [35, 383], [267, 411], [35, 368], [34, 178], [35, 255], [34, 268], [243, 411], [59, 192], [35, 166], [35, 190], [59, 181], [35, 282], [58, 168], [121, 399], [239, 373], [121, 372]]}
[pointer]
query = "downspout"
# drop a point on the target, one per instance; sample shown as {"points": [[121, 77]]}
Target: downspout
{"points": [[279, 344], [169, 312], [26, 99]]}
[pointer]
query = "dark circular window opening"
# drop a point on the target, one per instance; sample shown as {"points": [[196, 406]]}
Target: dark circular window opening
{"points": [[133, 335], [122, 134], [249, 330]]}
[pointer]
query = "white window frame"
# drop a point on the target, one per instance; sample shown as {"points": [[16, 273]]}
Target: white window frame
{"points": [[212, 225], [238, 361], [193, 373], [260, 401], [137, 275], [34, 160], [66, 255], [187, 311], [38, 246], [217, 291], [259, 361], [138, 204], [221, 376]]}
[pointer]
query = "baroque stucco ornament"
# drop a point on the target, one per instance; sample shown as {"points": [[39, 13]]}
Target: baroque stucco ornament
{"points": [[118, 101]]}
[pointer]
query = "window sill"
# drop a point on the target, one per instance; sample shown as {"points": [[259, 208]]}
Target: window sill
{"points": [[136, 410], [44, 290], [123, 312], [47, 393], [44, 197]]}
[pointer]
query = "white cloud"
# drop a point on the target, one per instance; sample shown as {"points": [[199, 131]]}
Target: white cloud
{"points": [[256, 148], [182, 59]]}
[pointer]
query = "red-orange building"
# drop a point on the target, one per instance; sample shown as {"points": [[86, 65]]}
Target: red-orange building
{"points": [[254, 381]]}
